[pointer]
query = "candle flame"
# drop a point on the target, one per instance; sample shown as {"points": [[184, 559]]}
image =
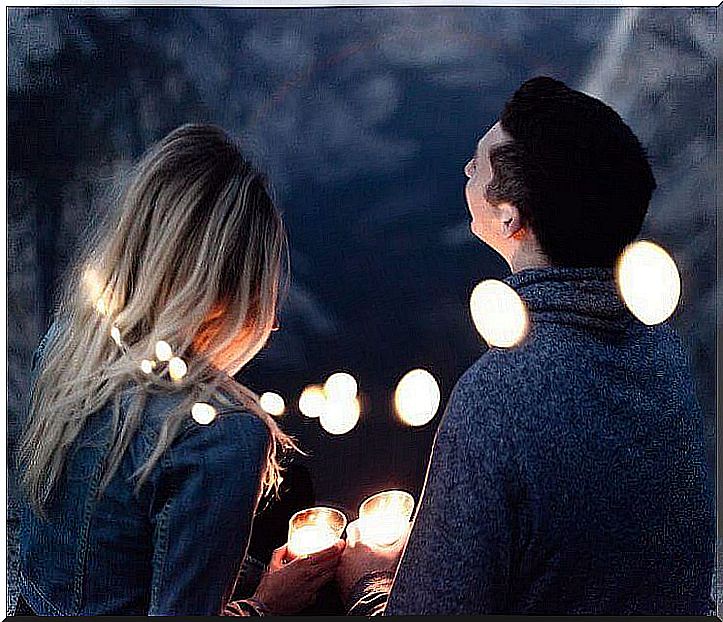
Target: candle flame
{"points": [[384, 517], [314, 529]]}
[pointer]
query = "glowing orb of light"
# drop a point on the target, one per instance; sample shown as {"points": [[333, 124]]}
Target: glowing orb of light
{"points": [[498, 313], [177, 368], [163, 351], [312, 401], [417, 397], [147, 366], [649, 282], [272, 403], [203, 413], [340, 415], [340, 386], [115, 335]]}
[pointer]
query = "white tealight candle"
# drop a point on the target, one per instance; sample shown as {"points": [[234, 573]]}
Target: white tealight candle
{"points": [[311, 539], [314, 530], [384, 517]]}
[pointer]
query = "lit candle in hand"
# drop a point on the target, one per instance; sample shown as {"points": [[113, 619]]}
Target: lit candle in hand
{"points": [[384, 517], [314, 530]]}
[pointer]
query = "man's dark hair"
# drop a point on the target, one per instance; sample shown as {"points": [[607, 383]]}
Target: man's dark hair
{"points": [[575, 171]]}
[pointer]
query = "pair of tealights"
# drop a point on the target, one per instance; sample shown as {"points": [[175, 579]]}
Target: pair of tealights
{"points": [[383, 520]]}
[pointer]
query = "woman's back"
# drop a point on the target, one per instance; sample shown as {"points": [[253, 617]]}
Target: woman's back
{"points": [[148, 553], [134, 505]]}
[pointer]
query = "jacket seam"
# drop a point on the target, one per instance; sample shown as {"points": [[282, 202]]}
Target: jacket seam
{"points": [[39, 593], [160, 547]]}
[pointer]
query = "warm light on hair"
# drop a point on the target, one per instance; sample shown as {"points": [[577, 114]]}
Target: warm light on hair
{"points": [[188, 266]]}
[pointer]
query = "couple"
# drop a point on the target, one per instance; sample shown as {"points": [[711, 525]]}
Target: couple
{"points": [[567, 475]]}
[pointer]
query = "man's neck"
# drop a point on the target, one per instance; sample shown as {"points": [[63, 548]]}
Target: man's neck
{"points": [[527, 259]]}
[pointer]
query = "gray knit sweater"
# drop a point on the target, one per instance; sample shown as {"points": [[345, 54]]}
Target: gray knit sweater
{"points": [[568, 473]]}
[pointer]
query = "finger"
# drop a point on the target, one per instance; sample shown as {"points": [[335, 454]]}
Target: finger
{"points": [[322, 579], [312, 567], [328, 565], [353, 534], [331, 553], [277, 557]]}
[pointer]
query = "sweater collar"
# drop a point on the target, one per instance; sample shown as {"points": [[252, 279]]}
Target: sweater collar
{"points": [[582, 297]]}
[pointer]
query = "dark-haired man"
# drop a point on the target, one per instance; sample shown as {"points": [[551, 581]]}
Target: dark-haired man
{"points": [[568, 474]]}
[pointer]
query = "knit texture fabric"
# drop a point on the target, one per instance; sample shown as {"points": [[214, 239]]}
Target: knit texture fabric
{"points": [[568, 474]]}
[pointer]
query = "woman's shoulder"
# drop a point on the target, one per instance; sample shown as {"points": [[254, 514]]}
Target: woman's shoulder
{"points": [[211, 420]]}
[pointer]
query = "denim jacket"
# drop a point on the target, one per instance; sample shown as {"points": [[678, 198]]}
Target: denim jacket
{"points": [[173, 548]]}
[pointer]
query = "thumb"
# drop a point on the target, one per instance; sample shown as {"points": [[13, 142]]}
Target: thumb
{"points": [[277, 558], [353, 533]]}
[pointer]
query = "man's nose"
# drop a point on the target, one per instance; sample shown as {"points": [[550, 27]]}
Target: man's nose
{"points": [[468, 169]]}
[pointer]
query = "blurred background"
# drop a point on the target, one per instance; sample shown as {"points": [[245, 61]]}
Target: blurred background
{"points": [[363, 120]]}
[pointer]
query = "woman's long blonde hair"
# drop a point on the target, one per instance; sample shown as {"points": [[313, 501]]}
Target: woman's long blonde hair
{"points": [[193, 257]]}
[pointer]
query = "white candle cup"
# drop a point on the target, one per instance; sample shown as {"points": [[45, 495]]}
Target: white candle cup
{"points": [[384, 517], [314, 530]]}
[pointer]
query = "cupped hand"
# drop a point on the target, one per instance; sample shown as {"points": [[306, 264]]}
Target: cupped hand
{"points": [[360, 559], [288, 587]]}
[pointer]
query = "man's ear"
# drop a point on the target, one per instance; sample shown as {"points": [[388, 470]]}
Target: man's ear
{"points": [[510, 220]]}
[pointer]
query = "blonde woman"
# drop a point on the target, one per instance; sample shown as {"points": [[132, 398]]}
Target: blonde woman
{"points": [[142, 461]]}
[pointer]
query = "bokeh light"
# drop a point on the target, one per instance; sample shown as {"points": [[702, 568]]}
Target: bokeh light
{"points": [[115, 335], [312, 401], [340, 386], [498, 313], [648, 281], [177, 368], [417, 397], [147, 366], [203, 413], [340, 415], [272, 403], [163, 351]]}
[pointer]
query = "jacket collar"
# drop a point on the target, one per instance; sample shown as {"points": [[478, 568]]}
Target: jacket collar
{"points": [[582, 297]]}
